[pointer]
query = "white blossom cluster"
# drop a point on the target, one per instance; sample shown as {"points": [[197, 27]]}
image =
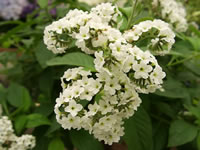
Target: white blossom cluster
{"points": [[119, 3], [173, 12], [99, 102], [107, 99], [162, 38], [9, 141], [12, 9]]}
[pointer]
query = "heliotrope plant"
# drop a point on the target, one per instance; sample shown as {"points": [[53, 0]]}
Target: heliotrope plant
{"points": [[99, 101]]}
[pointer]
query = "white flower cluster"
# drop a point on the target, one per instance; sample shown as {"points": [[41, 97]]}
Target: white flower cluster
{"points": [[162, 37], [119, 3], [9, 141], [99, 102], [107, 100], [173, 12], [12, 9]]}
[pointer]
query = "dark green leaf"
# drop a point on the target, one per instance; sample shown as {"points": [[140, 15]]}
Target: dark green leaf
{"points": [[82, 140], [138, 131], [74, 59], [181, 132], [43, 54], [160, 136], [198, 141], [54, 126], [35, 120], [19, 96], [56, 144], [20, 123], [195, 42], [172, 89]]}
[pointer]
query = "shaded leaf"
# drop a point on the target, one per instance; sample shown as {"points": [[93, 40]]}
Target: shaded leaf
{"points": [[43, 54], [73, 59], [138, 131], [181, 132], [82, 140], [19, 96], [35, 120], [20, 123], [56, 144]]}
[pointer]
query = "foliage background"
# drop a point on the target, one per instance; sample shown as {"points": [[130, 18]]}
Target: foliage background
{"points": [[30, 83]]}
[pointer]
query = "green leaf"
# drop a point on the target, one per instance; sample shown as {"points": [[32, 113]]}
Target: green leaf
{"points": [[165, 109], [74, 59], [160, 136], [195, 42], [193, 65], [138, 131], [43, 3], [43, 54], [194, 110], [56, 144], [82, 140], [181, 132], [126, 11], [172, 89], [54, 126], [198, 141], [2, 94], [20, 123], [35, 120], [18, 96]]}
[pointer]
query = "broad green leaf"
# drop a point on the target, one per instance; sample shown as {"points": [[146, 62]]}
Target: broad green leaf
{"points": [[35, 120], [195, 42], [2, 94], [126, 11], [43, 54], [198, 141], [43, 3], [56, 144], [138, 131], [165, 109], [194, 65], [20, 123], [181, 132], [160, 135], [82, 140], [73, 59], [19, 96], [54, 126], [172, 89]]}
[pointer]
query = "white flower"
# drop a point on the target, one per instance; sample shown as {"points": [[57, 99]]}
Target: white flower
{"points": [[104, 107], [93, 109], [157, 75], [84, 33], [100, 41], [141, 70], [73, 108], [111, 86], [174, 12]]}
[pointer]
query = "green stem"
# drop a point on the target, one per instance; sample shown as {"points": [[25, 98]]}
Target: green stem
{"points": [[183, 60], [15, 112], [5, 108], [132, 14]]}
